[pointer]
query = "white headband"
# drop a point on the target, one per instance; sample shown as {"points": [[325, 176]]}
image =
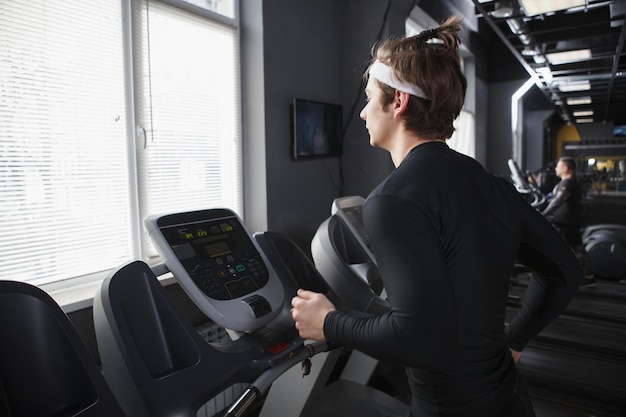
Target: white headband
{"points": [[385, 75]]}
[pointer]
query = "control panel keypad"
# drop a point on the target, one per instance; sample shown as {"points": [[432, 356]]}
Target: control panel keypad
{"points": [[226, 280]]}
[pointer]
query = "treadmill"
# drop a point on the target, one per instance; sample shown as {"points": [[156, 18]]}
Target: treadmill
{"points": [[158, 365]]}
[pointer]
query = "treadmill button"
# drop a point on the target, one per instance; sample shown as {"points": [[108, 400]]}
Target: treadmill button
{"points": [[241, 287]]}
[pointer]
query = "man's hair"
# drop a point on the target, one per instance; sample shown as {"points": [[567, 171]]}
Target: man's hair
{"points": [[431, 61], [570, 163]]}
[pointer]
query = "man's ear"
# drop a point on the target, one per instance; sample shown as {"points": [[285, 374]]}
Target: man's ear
{"points": [[401, 102]]}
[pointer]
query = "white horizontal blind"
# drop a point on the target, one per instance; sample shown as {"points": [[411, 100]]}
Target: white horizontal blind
{"points": [[64, 199], [188, 113], [67, 207]]}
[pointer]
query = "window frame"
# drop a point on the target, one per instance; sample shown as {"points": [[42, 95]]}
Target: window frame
{"points": [[77, 292]]}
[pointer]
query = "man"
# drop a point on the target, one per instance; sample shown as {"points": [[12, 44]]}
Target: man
{"points": [[446, 235], [564, 211]]}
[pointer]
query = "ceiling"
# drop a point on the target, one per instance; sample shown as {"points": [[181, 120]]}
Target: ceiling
{"points": [[596, 26]]}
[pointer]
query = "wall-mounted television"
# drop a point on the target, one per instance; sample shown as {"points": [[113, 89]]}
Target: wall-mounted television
{"points": [[317, 129]]}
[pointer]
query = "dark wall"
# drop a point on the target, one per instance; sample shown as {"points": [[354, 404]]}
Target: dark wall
{"points": [[503, 76], [537, 119], [301, 60], [535, 126], [500, 137], [319, 50]]}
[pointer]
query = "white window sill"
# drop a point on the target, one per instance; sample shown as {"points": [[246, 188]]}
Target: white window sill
{"points": [[80, 296]]}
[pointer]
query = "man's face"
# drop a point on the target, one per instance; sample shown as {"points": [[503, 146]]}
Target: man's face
{"points": [[560, 169], [378, 119]]}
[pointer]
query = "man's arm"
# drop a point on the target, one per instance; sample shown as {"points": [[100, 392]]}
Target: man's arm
{"points": [[420, 330], [556, 277], [562, 195]]}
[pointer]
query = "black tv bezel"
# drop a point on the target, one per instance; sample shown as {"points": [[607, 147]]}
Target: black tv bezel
{"points": [[333, 128]]}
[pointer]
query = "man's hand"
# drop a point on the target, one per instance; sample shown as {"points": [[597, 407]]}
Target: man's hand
{"points": [[309, 311]]}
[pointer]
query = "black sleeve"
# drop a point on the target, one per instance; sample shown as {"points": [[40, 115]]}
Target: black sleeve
{"points": [[562, 194], [556, 277], [421, 328]]}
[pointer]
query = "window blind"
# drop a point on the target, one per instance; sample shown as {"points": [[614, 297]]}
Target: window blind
{"points": [[188, 113], [75, 184], [64, 201]]}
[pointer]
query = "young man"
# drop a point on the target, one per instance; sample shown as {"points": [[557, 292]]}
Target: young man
{"points": [[565, 211], [446, 236]]}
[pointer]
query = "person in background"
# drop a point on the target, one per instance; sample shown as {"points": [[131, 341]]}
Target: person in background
{"points": [[446, 235], [564, 211]]}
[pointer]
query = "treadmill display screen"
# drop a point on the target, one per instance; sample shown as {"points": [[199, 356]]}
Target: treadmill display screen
{"points": [[218, 256], [355, 216]]}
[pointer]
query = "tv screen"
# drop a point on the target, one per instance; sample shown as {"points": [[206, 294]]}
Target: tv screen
{"points": [[317, 129]]}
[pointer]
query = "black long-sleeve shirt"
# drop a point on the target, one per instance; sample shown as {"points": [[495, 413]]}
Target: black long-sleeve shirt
{"points": [[565, 206], [446, 236]]}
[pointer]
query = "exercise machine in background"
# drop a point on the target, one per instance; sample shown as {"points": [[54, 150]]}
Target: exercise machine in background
{"points": [[526, 186], [605, 243], [606, 248]]}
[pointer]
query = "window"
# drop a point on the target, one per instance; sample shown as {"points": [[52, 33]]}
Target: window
{"points": [[462, 140], [187, 112], [92, 141]]}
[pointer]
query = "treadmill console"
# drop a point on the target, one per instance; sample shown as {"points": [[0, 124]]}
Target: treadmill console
{"points": [[343, 255], [350, 211], [219, 266]]}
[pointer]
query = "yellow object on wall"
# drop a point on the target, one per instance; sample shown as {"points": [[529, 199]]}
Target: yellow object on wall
{"points": [[567, 133]]}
